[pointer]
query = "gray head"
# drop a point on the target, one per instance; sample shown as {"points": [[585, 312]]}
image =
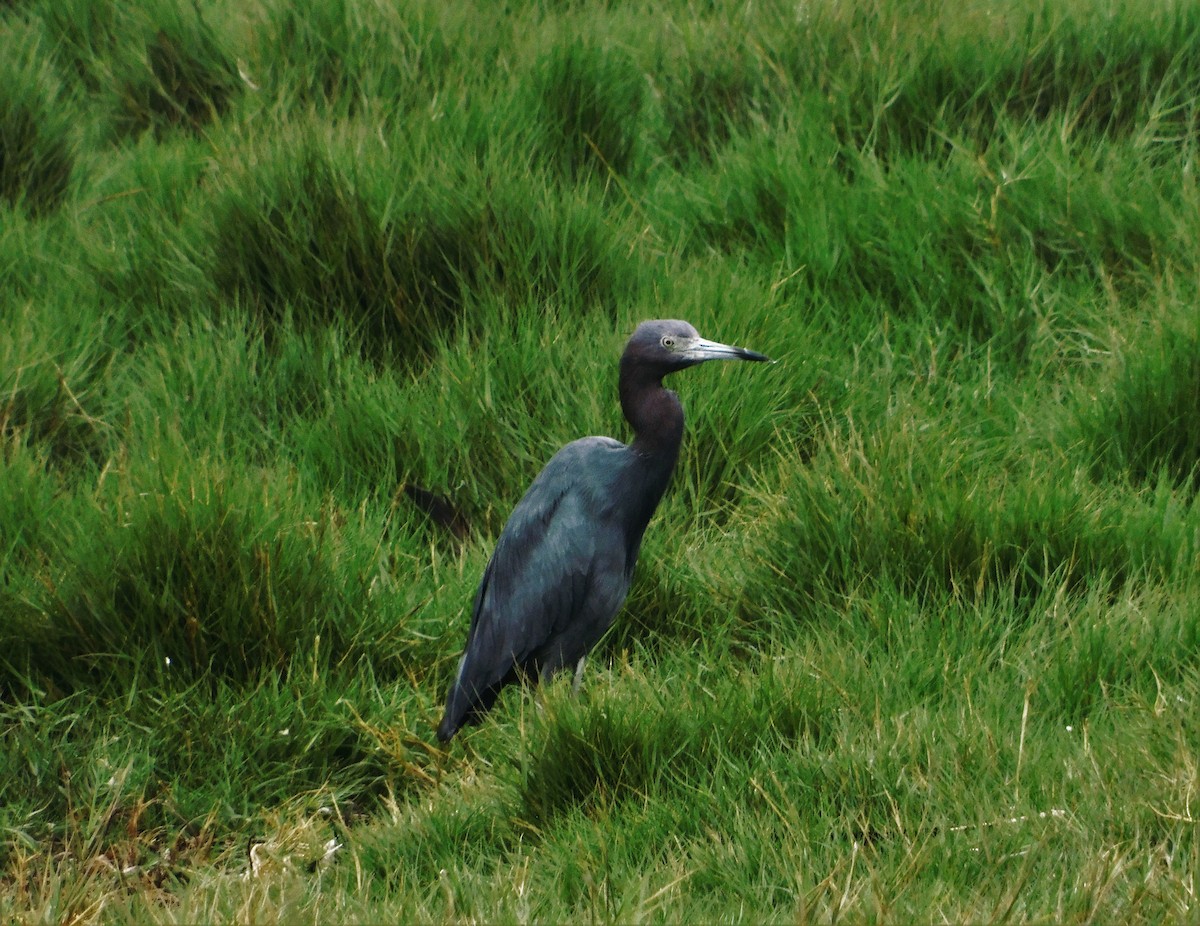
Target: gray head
{"points": [[667, 345]]}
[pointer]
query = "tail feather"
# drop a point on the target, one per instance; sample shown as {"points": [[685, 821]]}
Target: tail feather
{"points": [[446, 729], [465, 706]]}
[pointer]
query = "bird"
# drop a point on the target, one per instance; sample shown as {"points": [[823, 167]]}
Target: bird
{"points": [[563, 563]]}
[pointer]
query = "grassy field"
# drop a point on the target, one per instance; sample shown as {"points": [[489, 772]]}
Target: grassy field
{"points": [[916, 632]]}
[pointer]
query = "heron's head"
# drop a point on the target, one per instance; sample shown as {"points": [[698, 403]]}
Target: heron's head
{"points": [[668, 345]]}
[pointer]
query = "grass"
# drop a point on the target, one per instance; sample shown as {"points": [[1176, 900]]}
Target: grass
{"points": [[298, 299]]}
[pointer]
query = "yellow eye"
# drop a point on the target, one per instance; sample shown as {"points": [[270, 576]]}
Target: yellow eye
{"points": [[668, 342]]}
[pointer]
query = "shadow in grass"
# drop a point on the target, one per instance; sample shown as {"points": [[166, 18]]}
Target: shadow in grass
{"points": [[628, 744], [214, 579], [346, 56], [297, 236], [156, 67], [1144, 425], [322, 238], [892, 507], [589, 102], [1043, 65], [36, 153]]}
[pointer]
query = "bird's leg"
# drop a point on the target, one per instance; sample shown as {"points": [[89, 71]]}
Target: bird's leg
{"points": [[578, 682]]}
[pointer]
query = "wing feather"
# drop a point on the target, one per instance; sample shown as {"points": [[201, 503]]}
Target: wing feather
{"points": [[549, 589]]}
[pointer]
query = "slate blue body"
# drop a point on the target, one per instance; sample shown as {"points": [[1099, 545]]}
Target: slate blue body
{"points": [[564, 561]]}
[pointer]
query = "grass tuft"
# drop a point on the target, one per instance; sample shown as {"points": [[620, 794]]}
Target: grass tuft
{"points": [[589, 99], [299, 234], [1143, 425], [201, 587], [890, 507], [181, 76], [36, 146], [599, 755], [712, 87], [52, 386], [351, 56]]}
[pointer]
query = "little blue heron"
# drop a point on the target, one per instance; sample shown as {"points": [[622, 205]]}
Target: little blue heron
{"points": [[564, 560]]}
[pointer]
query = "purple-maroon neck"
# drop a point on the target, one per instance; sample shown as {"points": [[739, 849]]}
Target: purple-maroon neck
{"points": [[654, 411]]}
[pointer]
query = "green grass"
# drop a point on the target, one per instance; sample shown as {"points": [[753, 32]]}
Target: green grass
{"points": [[916, 631]]}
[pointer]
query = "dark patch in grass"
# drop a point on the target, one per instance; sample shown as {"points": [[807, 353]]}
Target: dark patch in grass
{"points": [[186, 78], [45, 413], [56, 370], [893, 509], [607, 759], [347, 55], [299, 236], [36, 157], [607, 754], [439, 509], [718, 89], [589, 100], [157, 66], [211, 582], [1147, 422]]}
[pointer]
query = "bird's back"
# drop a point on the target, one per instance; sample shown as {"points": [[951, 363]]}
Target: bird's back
{"points": [[559, 573]]}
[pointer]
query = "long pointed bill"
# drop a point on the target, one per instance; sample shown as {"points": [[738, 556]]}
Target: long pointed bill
{"points": [[700, 350]]}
